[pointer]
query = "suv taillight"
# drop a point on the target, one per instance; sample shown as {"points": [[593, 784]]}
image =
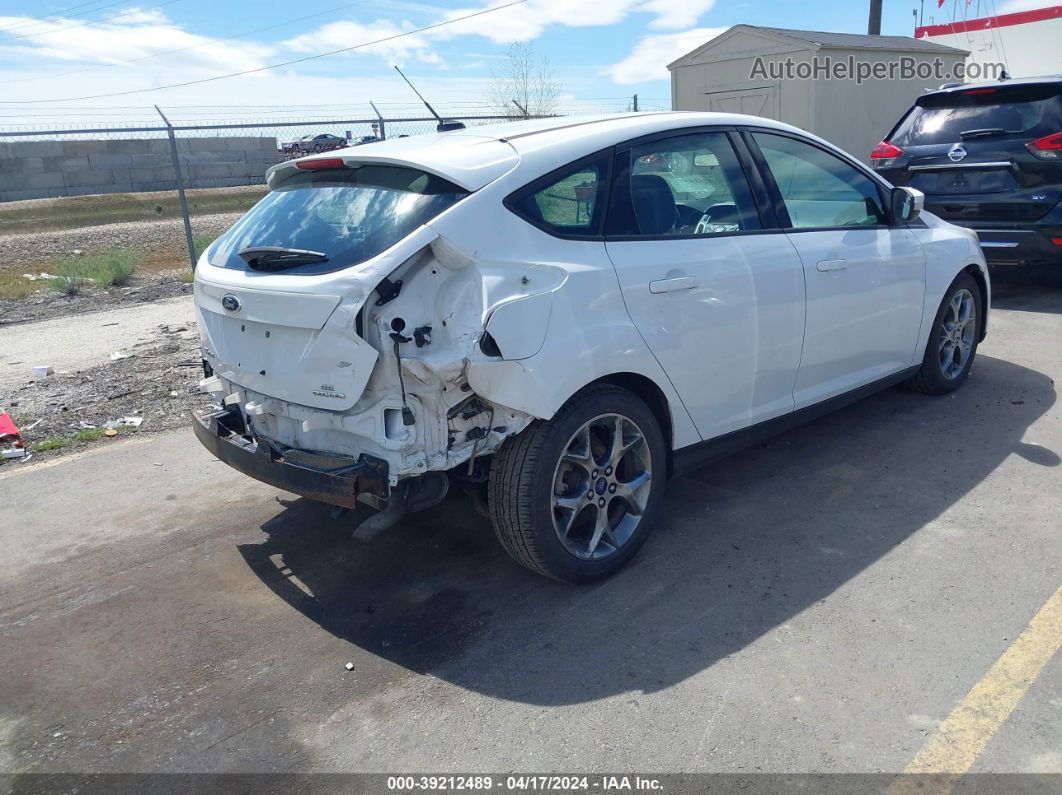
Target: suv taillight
{"points": [[1047, 148], [884, 153]]}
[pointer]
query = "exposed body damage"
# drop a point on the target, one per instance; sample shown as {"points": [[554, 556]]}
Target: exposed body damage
{"points": [[427, 316]]}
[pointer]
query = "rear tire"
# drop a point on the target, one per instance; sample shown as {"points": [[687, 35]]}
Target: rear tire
{"points": [[568, 501], [953, 340]]}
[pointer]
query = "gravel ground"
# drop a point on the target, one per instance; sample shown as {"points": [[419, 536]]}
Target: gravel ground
{"points": [[162, 235], [48, 305], [158, 383]]}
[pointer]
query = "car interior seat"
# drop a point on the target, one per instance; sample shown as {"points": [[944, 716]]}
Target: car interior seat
{"points": [[654, 204]]}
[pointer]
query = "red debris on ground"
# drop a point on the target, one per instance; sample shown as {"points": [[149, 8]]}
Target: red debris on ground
{"points": [[11, 444]]}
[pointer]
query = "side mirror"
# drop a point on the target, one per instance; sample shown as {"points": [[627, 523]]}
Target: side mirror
{"points": [[907, 203]]}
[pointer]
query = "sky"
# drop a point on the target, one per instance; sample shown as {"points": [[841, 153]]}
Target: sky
{"points": [[602, 52]]}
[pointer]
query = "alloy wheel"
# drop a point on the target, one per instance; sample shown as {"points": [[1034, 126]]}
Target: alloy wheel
{"points": [[958, 327], [601, 486]]}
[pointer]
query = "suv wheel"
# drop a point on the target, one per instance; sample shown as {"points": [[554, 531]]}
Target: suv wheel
{"points": [[574, 498], [953, 341]]}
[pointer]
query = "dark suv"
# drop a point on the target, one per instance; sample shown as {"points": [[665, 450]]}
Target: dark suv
{"points": [[989, 157]]}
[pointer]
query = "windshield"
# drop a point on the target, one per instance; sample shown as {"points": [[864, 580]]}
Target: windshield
{"points": [[348, 214], [1024, 111]]}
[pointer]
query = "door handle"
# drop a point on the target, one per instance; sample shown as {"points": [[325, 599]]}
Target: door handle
{"points": [[673, 285], [832, 265]]}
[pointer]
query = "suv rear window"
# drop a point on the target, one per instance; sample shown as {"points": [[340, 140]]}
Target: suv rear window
{"points": [[349, 214], [1029, 111]]}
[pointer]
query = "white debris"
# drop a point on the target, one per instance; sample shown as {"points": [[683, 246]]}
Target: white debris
{"points": [[42, 371], [125, 422], [14, 452], [350, 666], [35, 277], [121, 355], [33, 424]]}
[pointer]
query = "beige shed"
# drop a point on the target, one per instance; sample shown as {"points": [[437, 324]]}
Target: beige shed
{"points": [[797, 76]]}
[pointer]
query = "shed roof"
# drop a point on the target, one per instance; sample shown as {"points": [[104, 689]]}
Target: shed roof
{"points": [[826, 40]]}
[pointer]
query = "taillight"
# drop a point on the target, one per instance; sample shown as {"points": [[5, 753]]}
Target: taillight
{"points": [[319, 163], [884, 153], [1047, 148]]}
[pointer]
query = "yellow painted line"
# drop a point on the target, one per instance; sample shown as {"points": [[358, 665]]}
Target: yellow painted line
{"points": [[963, 735]]}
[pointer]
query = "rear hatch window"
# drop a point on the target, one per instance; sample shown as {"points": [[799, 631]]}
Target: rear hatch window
{"points": [[1020, 111], [348, 215]]}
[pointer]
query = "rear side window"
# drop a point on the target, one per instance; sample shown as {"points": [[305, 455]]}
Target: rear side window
{"points": [[1019, 111], [348, 214], [567, 202], [681, 186]]}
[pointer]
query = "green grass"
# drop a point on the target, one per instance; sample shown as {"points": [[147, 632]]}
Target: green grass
{"points": [[111, 269], [186, 276], [201, 242], [88, 434], [49, 444], [14, 287]]}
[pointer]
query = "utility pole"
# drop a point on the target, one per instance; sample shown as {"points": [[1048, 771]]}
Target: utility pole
{"points": [[874, 25], [635, 105]]}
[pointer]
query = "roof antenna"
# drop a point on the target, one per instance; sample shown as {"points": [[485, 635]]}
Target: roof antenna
{"points": [[444, 125]]}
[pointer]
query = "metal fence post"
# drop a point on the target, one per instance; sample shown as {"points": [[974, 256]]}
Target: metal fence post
{"points": [[180, 188], [383, 132]]}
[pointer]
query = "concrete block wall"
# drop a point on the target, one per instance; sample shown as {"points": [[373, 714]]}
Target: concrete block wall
{"points": [[45, 169]]}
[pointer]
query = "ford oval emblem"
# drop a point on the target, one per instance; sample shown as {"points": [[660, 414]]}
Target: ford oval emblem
{"points": [[231, 302], [956, 153]]}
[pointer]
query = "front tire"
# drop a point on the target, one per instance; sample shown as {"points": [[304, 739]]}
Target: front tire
{"points": [[953, 340], [574, 498]]}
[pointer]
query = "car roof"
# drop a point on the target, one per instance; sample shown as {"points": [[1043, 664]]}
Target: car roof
{"points": [[476, 156], [958, 88]]}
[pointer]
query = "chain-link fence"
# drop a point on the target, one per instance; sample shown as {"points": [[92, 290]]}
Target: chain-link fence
{"points": [[163, 189]]}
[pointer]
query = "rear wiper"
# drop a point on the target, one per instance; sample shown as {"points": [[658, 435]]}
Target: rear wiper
{"points": [[276, 258], [988, 132]]}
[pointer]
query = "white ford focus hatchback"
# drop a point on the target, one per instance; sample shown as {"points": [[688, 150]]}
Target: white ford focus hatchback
{"points": [[559, 315]]}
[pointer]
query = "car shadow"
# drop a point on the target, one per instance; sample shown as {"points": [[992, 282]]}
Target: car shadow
{"points": [[741, 547], [1027, 289]]}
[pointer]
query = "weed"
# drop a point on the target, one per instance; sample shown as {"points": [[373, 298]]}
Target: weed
{"points": [[88, 434], [14, 287], [110, 269], [49, 444], [186, 276]]}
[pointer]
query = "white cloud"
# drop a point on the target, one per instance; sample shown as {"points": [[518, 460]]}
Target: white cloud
{"points": [[651, 55], [526, 21], [348, 33], [676, 14], [531, 19], [122, 39]]}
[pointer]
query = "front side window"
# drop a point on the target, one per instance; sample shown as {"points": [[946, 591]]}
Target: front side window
{"points": [[818, 188], [348, 214], [565, 201], [682, 186]]}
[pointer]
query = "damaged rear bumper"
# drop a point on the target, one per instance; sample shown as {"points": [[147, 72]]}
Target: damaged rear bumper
{"points": [[339, 482]]}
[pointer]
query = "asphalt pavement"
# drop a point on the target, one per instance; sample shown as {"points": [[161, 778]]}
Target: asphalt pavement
{"points": [[819, 603]]}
